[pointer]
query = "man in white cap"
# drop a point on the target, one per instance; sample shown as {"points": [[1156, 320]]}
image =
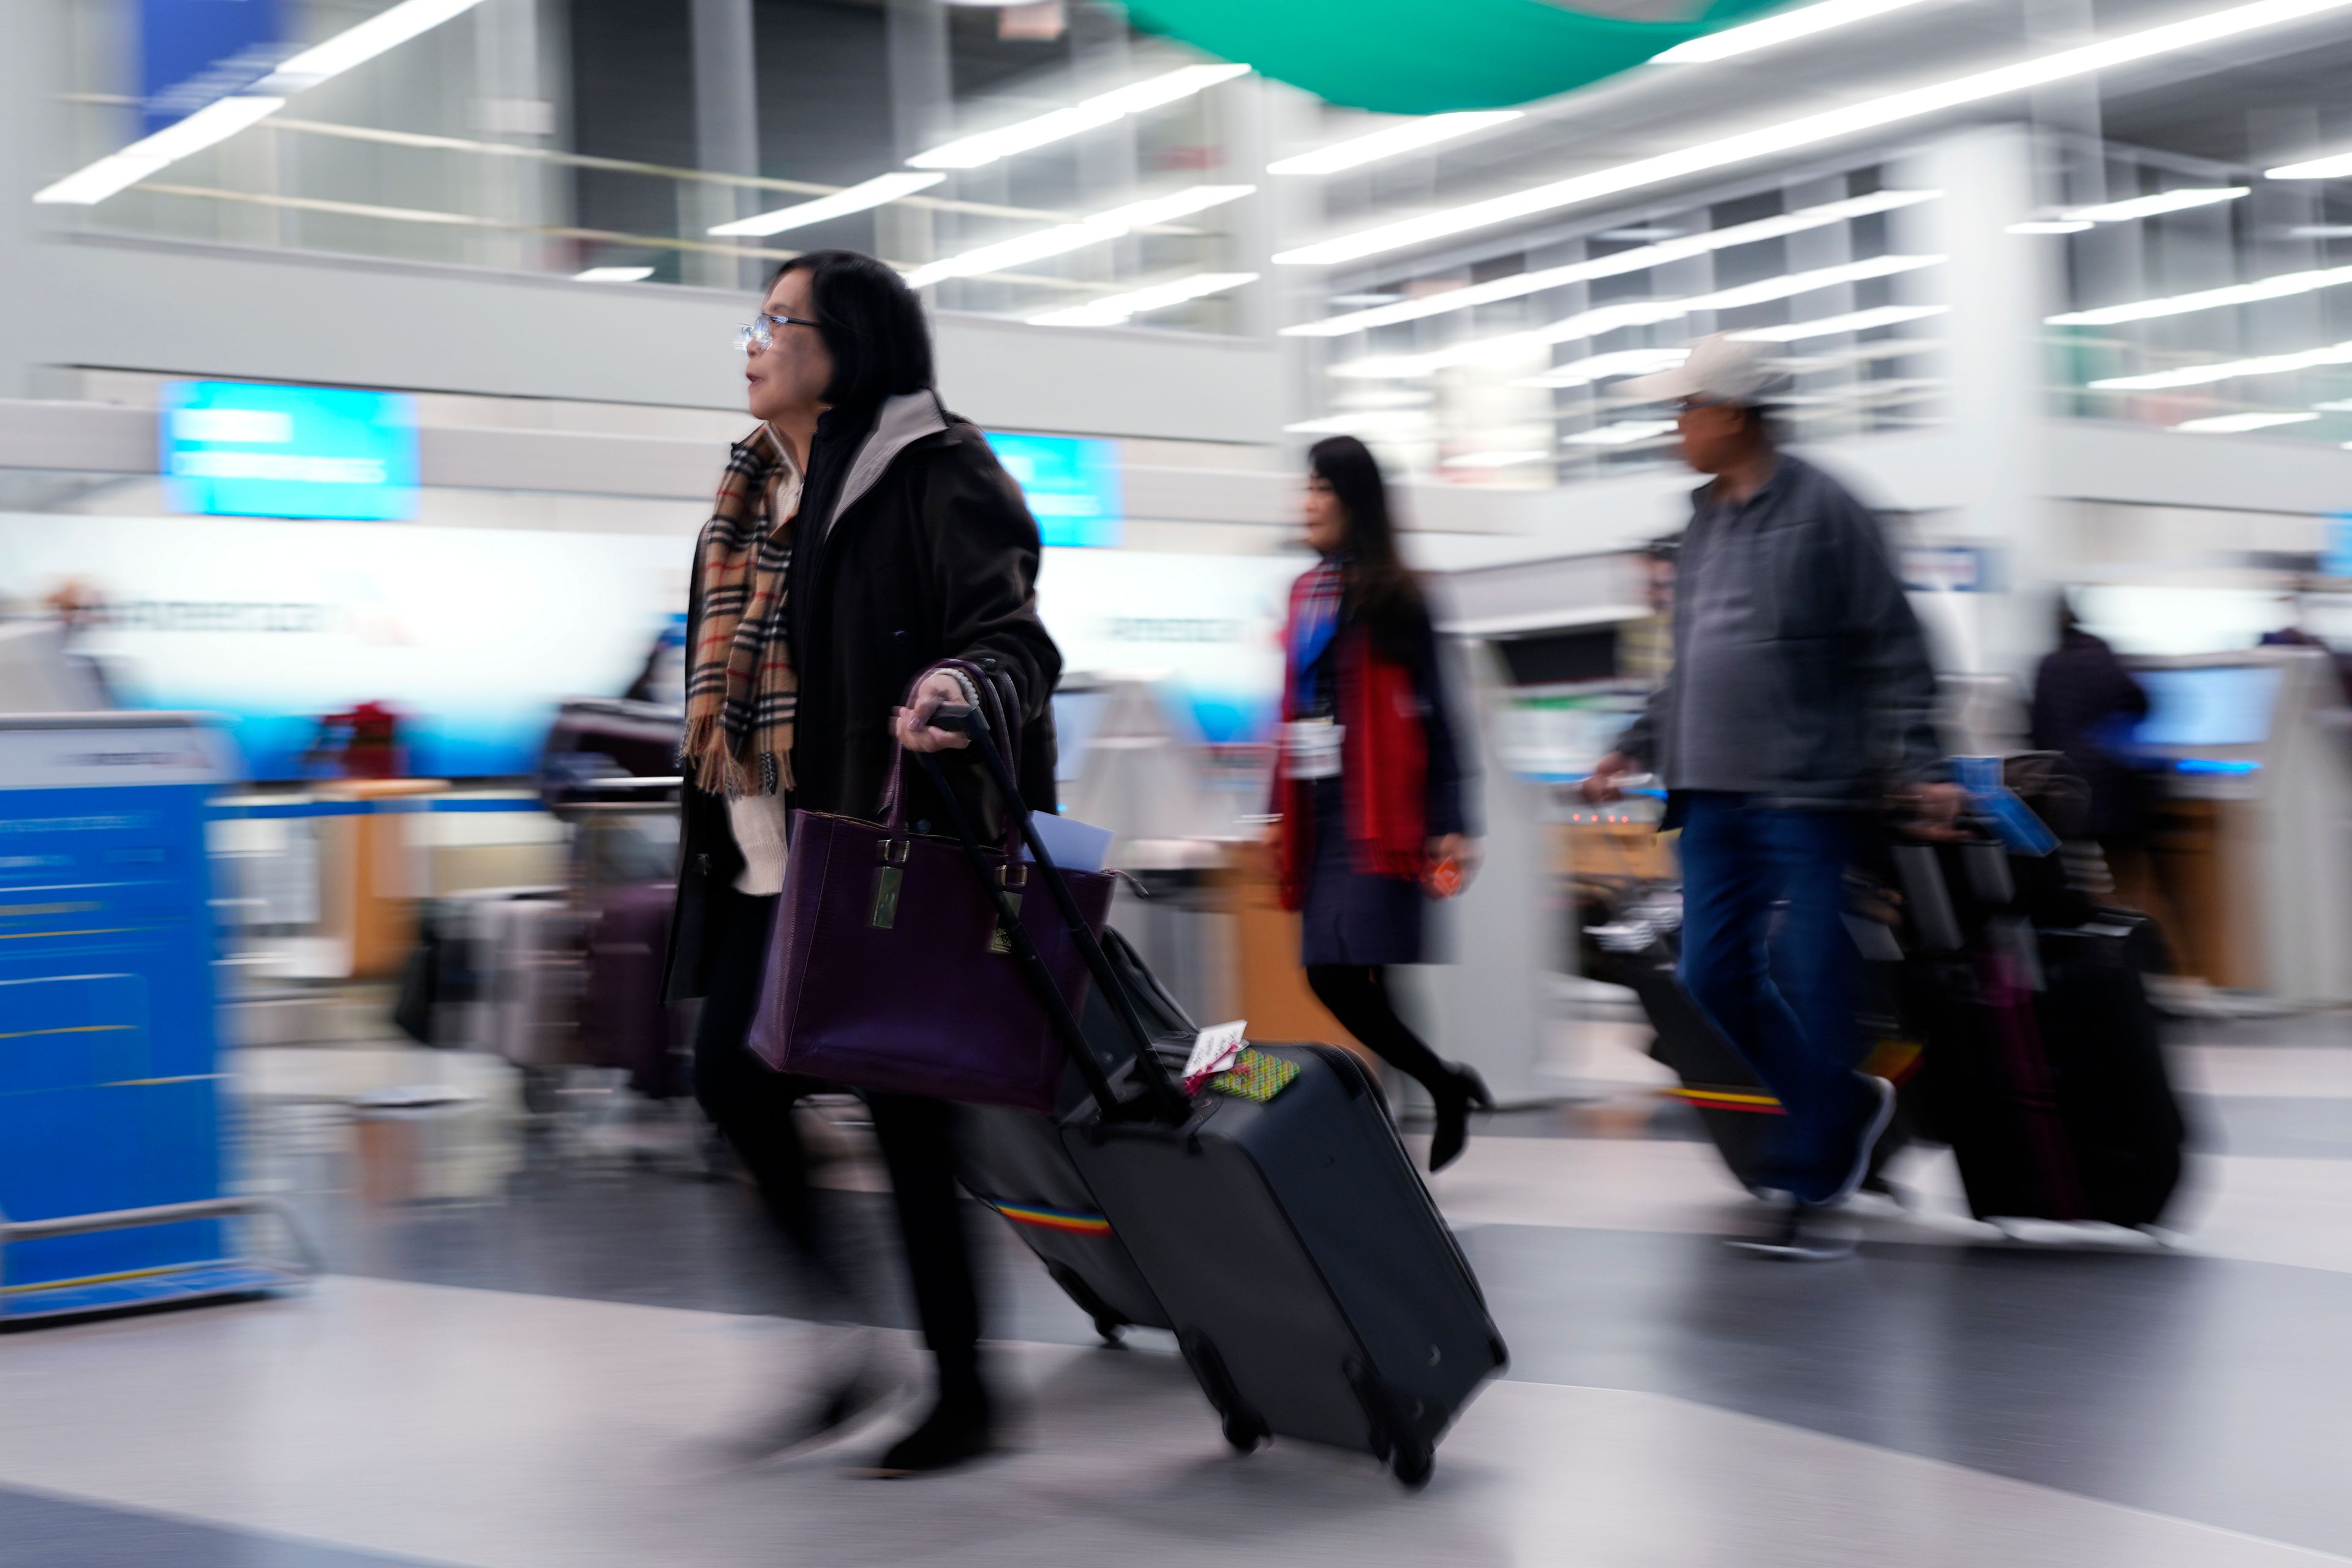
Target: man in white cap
{"points": [[1801, 695]]}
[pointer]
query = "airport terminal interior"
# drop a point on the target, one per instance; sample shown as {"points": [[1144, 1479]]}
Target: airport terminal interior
{"points": [[376, 1180]]}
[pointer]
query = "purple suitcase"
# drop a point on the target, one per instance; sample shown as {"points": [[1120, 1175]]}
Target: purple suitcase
{"points": [[624, 1022]]}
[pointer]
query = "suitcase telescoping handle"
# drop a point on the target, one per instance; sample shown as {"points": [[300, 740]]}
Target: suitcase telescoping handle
{"points": [[1165, 1100]]}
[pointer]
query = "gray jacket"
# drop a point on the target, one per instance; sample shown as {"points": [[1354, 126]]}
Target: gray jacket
{"points": [[1799, 673]]}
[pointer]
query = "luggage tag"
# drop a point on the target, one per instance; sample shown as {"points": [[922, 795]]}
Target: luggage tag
{"points": [[1255, 1076], [1213, 1050], [2011, 820], [1310, 748]]}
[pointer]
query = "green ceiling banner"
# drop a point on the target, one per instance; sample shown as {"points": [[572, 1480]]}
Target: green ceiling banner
{"points": [[1431, 57]]}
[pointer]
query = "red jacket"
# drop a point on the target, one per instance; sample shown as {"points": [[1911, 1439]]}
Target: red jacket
{"points": [[1383, 764]]}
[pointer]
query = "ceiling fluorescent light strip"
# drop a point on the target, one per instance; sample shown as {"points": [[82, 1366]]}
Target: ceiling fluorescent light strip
{"points": [[1393, 142], [2228, 370], [225, 117], [1852, 321], [2151, 206], [988, 146], [1601, 367], [1787, 27], [2279, 287], [2334, 166], [1063, 238], [1813, 130], [1631, 313], [217, 121], [879, 191], [2235, 424], [1114, 309], [1498, 459], [1611, 266], [613, 275]]}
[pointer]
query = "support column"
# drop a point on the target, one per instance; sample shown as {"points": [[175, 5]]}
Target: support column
{"points": [[2000, 287], [922, 111], [726, 137]]}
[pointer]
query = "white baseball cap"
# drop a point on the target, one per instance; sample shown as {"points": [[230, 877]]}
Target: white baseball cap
{"points": [[1719, 369]]}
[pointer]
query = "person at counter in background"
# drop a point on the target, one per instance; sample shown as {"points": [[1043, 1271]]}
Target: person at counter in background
{"points": [[2085, 704], [1371, 818], [1800, 694]]}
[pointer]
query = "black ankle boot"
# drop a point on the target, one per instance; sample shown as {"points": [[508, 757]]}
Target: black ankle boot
{"points": [[957, 1430], [1463, 1091]]}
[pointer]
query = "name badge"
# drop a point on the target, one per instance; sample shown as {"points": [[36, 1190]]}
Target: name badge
{"points": [[1310, 748]]}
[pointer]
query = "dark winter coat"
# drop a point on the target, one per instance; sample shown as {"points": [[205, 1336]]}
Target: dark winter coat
{"points": [[928, 554], [2083, 702]]}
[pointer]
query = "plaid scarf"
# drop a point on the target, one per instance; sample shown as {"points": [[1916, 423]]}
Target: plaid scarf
{"points": [[1313, 617], [740, 690]]}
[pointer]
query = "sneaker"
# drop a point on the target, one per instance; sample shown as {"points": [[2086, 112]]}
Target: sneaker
{"points": [[1798, 1237], [1882, 1112]]}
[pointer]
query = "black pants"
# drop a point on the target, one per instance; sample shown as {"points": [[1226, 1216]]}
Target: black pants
{"points": [[752, 1106], [1358, 995]]}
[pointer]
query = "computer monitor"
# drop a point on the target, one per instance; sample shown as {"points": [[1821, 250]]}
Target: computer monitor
{"points": [[2214, 705]]}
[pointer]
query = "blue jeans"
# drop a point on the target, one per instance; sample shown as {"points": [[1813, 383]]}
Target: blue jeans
{"points": [[1766, 957]]}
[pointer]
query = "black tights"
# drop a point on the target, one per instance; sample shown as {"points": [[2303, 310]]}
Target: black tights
{"points": [[1358, 997]]}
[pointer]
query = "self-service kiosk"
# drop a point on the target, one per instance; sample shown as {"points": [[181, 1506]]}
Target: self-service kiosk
{"points": [[2253, 836]]}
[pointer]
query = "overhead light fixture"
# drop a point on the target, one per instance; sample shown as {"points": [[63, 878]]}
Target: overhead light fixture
{"points": [[1492, 459], [1630, 314], [1065, 238], [1104, 109], [217, 121], [2279, 287], [1601, 367], [225, 117], [1113, 309], [2051, 225], [387, 29], [2227, 370], [1783, 29], [1613, 266], [2233, 423], [1647, 232], [1622, 434], [613, 275], [2340, 405], [2334, 166], [2162, 202], [1360, 419], [1811, 130], [1393, 142], [2320, 231], [1851, 321], [1366, 299], [879, 191]]}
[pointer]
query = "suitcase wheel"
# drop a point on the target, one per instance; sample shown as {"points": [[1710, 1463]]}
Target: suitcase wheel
{"points": [[1245, 1432], [1112, 1330], [1413, 1464]]}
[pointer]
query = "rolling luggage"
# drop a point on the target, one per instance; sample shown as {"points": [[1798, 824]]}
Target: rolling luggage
{"points": [[2045, 1069], [1013, 1161], [624, 1021], [1314, 1289]]}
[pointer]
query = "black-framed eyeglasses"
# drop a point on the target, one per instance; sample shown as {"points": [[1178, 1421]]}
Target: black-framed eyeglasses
{"points": [[760, 331]]}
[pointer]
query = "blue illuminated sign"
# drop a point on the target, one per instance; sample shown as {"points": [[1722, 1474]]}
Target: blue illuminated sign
{"points": [[194, 52], [1071, 483], [240, 449]]}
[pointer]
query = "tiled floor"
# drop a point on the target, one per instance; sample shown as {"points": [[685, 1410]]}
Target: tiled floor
{"points": [[544, 1367]]}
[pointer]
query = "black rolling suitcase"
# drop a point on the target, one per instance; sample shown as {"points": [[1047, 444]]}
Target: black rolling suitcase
{"points": [[1013, 1161], [1315, 1290], [2044, 1068]]}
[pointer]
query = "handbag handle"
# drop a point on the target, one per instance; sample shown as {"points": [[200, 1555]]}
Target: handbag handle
{"points": [[894, 795], [1164, 1098]]}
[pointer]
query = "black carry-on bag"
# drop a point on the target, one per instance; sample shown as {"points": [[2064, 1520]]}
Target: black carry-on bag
{"points": [[1314, 1289], [1013, 1161]]}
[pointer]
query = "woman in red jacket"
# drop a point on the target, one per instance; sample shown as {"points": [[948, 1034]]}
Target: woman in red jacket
{"points": [[1370, 796]]}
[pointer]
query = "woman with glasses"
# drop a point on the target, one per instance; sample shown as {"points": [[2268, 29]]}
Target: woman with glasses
{"points": [[861, 534]]}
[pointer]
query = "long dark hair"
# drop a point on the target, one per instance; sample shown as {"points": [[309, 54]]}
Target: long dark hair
{"points": [[1382, 592], [872, 325]]}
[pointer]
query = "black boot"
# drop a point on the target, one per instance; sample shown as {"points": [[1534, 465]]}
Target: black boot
{"points": [[957, 1430], [1461, 1091]]}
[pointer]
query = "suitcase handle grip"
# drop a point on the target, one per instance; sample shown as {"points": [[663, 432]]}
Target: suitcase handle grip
{"points": [[1168, 1101]]}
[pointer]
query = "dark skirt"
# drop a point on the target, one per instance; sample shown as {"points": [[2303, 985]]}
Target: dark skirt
{"points": [[1353, 917]]}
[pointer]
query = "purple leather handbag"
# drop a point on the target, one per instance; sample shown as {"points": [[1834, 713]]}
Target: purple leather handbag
{"points": [[887, 970]]}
